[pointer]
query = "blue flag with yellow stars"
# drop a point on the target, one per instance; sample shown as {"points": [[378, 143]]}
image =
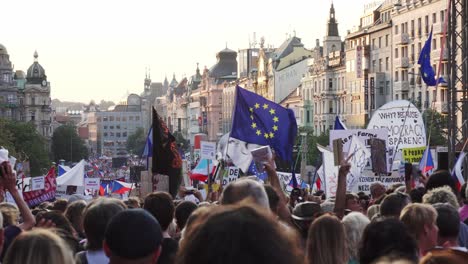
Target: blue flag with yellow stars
{"points": [[427, 72], [260, 121]]}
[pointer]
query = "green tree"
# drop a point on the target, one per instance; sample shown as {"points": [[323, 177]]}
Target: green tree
{"points": [[436, 124], [24, 142], [136, 142], [67, 145]]}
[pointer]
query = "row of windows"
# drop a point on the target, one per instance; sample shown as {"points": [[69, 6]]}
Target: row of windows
{"points": [[112, 134], [403, 27], [118, 118], [405, 75]]}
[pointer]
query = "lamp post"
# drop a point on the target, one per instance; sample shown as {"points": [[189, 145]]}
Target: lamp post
{"points": [[304, 149]]}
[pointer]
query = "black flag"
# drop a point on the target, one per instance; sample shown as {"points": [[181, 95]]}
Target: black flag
{"points": [[166, 157]]}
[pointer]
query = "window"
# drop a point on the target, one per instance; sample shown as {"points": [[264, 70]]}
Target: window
{"points": [[117, 134], [434, 95], [373, 65], [412, 28], [419, 48], [117, 126], [386, 40], [111, 127], [380, 42], [380, 65], [130, 118], [373, 43], [124, 134], [117, 118], [434, 18], [396, 76], [426, 24], [396, 53], [99, 119], [387, 63], [396, 29], [111, 118], [330, 106], [387, 88], [105, 134], [434, 44], [124, 119], [442, 16], [105, 127], [419, 27], [308, 116], [396, 97], [137, 118], [33, 101]]}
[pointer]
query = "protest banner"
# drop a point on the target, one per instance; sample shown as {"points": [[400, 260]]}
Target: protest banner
{"points": [[404, 125], [208, 150], [34, 198], [92, 183], [365, 181], [413, 155], [232, 174], [365, 135], [358, 158]]}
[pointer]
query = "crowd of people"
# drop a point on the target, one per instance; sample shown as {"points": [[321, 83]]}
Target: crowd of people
{"points": [[244, 222]]}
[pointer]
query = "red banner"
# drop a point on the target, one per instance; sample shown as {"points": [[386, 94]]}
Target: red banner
{"points": [[48, 193]]}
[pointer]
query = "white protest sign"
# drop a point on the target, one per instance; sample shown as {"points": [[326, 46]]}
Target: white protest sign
{"points": [[37, 183], [364, 135], [366, 179], [232, 175], [359, 159], [403, 122], [92, 183], [208, 150], [328, 171]]}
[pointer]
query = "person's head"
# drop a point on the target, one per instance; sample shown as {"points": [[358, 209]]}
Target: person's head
{"points": [[39, 246], [441, 195], [326, 242], [133, 202], [303, 215], [354, 224], [392, 204], [327, 206], [243, 189], [238, 234], [373, 210], [352, 203], [59, 220], [74, 214], [386, 236], [441, 178], [96, 217], [444, 256], [394, 259], [60, 205], [183, 212], [421, 222], [377, 189], [417, 194], [448, 222], [161, 206], [10, 213], [133, 236], [464, 193]]}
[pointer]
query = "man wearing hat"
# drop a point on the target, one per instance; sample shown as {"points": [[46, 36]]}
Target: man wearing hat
{"points": [[303, 215]]}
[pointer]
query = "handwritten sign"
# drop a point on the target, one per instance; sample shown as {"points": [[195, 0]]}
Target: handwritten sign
{"points": [[208, 150], [92, 183], [413, 155], [232, 174]]}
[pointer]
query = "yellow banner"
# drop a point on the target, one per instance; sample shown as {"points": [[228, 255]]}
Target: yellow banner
{"points": [[413, 155]]}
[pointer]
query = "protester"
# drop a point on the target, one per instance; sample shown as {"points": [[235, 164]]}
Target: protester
{"points": [[417, 194], [161, 206], [63, 228], [377, 190], [277, 206], [352, 203], [60, 205], [448, 222], [387, 237], [235, 234], [373, 211], [464, 209], [421, 222], [445, 256], [133, 202], [96, 216], [303, 215], [74, 214], [245, 189], [441, 178], [354, 224], [393, 204], [39, 246], [442, 194], [139, 244], [183, 212], [326, 242]]}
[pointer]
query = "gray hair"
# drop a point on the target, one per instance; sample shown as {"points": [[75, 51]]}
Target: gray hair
{"points": [[327, 206], [442, 194], [354, 223], [245, 189], [373, 210]]}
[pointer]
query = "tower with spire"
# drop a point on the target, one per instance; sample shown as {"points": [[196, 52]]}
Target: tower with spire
{"points": [[332, 41], [147, 81]]}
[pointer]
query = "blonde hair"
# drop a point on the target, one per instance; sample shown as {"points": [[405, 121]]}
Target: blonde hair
{"points": [[10, 213], [39, 246], [417, 216]]}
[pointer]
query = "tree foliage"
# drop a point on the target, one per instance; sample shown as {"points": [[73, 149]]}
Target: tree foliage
{"points": [[136, 142], [24, 142], [436, 125], [184, 144], [67, 145]]}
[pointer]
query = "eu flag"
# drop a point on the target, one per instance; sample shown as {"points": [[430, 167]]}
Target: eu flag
{"points": [[427, 72], [260, 121]]}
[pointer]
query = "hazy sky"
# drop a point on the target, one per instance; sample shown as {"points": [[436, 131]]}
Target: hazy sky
{"points": [[98, 49]]}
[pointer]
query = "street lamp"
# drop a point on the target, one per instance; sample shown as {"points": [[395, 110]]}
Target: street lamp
{"points": [[304, 149]]}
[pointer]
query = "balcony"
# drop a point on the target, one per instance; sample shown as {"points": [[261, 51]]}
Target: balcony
{"points": [[401, 39], [402, 86], [441, 107], [402, 62], [436, 54]]}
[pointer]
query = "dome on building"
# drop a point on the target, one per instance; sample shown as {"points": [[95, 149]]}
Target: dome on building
{"points": [[3, 50], [36, 72]]}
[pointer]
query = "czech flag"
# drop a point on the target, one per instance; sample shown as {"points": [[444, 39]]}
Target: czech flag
{"points": [[120, 187], [457, 173], [426, 164], [200, 172], [105, 189]]}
